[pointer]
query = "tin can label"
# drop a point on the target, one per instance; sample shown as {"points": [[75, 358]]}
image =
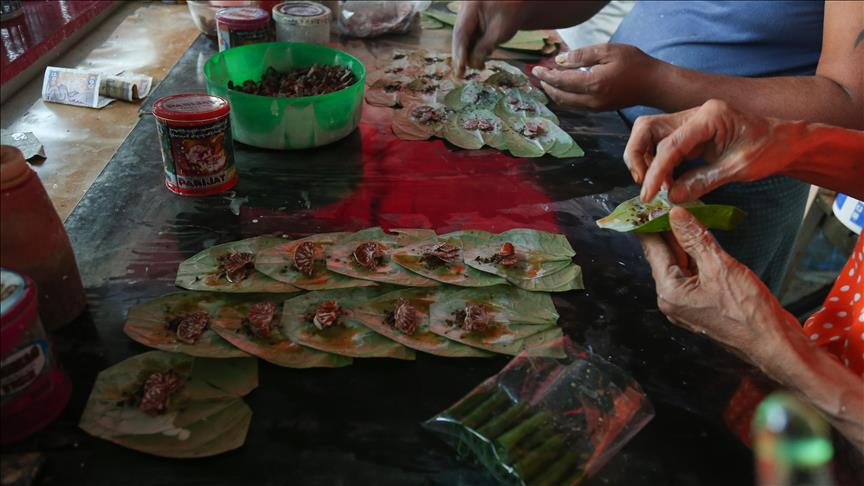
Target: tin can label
{"points": [[21, 368], [229, 38], [199, 159]]}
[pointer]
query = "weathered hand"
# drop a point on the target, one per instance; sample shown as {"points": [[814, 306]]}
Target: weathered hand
{"points": [[480, 27], [713, 293], [620, 75], [738, 147]]}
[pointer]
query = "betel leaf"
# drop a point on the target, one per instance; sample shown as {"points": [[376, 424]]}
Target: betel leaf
{"points": [[385, 91], [472, 129], [517, 104], [653, 216], [201, 272], [341, 258], [407, 126], [429, 22], [205, 417], [441, 15], [349, 337], [277, 262], [515, 315], [520, 146], [148, 324], [527, 134], [473, 94], [276, 348], [374, 314], [456, 273]]}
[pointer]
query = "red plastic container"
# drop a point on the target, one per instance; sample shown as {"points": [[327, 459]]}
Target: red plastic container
{"points": [[243, 25], [197, 148], [33, 389]]}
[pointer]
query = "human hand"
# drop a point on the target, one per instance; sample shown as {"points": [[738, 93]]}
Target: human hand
{"points": [[710, 292], [480, 27], [620, 75], [738, 147]]}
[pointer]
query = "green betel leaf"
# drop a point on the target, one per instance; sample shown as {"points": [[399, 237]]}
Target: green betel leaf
{"points": [[420, 121], [430, 23], [385, 91], [653, 216], [567, 278], [527, 40], [204, 417], [473, 95], [440, 15], [278, 263], [518, 105], [341, 257], [374, 314], [150, 324], [520, 146], [417, 259], [201, 272], [231, 322], [348, 337], [514, 315], [527, 133], [471, 129]]}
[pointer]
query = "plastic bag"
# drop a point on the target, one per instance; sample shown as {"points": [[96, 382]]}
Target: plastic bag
{"points": [[371, 19], [546, 421]]}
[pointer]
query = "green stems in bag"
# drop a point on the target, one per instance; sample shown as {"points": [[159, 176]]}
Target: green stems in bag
{"points": [[564, 472], [486, 410], [469, 403], [510, 439], [504, 422], [539, 458]]}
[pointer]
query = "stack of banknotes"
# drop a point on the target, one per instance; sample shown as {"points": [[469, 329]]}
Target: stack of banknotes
{"points": [[92, 89]]}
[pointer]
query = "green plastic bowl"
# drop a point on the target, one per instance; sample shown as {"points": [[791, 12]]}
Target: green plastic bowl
{"points": [[279, 122]]}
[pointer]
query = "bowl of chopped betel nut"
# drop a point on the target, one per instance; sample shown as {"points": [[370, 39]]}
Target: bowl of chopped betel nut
{"points": [[287, 95]]}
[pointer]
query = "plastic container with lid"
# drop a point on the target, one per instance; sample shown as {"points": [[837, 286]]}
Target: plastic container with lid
{"points": [[33, 389], [307, 22], [242, 26], [34, 242], [197, 148]]}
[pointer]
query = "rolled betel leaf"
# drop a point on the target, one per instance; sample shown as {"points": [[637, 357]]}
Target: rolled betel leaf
{"points": [[653, 216], [473, 128], [366, 255], [172, 405], [441, 258], [182, 323], [500, 319], [530, 259], [403, 316], [517, 105], [326, 321], [473, 95], [420, 121], [252, 322], [230, 267], [303, 263]]}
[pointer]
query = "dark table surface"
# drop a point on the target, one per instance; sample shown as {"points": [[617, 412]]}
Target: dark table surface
{"points": [[360, 424]]}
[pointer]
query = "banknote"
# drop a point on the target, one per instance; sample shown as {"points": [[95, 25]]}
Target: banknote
{"points": [[71, 87], [128, 86]]}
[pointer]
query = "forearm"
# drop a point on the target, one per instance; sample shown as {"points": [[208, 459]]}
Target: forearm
{"points": [[827, 156], [557, 15], [836, 392], [812, 98]]}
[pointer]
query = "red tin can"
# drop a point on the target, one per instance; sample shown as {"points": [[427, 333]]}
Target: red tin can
{"points": [[243, 25], [197, 148], [33, 389]]}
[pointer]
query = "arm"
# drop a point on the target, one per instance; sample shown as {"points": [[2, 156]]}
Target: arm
{"points": [[623, 76], [713, 294], [740, 147]]}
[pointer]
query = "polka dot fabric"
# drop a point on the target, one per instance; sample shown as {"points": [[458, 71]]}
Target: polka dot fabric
{"points": [[839, 325]]}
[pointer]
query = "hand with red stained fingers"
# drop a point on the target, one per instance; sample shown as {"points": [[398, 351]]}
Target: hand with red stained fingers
{"points": [[738, 148], [616, 76], [710, 292], [480, 27]]}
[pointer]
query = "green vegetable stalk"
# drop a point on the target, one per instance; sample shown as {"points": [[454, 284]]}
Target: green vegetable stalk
{"points": [[510, 439], [469, 403], [564, 472], [504, 422], [536, 460], [486, 410]]}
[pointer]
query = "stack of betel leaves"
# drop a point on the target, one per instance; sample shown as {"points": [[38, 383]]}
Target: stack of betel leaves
{"points": [[546, 421], [370, 294], [496, 106], [653, 216]]}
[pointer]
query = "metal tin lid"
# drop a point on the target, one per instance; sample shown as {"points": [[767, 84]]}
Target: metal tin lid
{"points": [[301, 13], [243, 17], [191, 107], [16, 292]]}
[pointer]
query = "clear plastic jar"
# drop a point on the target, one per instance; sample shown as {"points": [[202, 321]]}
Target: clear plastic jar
{"points": [[302, 22]]}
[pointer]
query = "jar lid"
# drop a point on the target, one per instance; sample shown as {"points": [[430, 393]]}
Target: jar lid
{"points": [[16, 293], [240, 17], [303, 13], [191, 107]]}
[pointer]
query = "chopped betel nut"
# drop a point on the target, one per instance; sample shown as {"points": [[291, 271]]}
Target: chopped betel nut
{"points": [[506, 256], [472, 318], [235, 266], [370, 255], [327, 314], [189, 327], [259, 319], [304, 258], [403, 317], [313, 80], [156, 392], [428, 115], [479, 124], [438, 255]]}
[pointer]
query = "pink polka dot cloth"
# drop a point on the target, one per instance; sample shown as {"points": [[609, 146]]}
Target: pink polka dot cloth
{"points": [[839, 325]]}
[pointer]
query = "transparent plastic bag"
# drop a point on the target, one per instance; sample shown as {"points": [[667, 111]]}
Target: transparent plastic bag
{"points": [[546, 421], [371, 19]]}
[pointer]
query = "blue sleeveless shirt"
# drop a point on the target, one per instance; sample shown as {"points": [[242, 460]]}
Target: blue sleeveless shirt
{"points": [[738, 38]]}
